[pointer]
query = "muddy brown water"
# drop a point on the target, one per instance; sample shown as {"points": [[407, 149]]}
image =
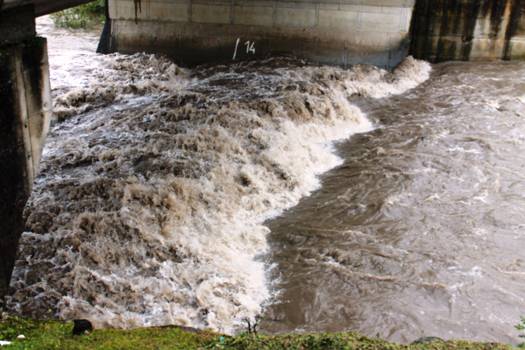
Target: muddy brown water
{"points": [[202, 198], [422, 230]]}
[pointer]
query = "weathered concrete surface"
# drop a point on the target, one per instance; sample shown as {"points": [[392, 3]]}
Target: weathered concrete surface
{"points": [[17, 25], [326, 31], [24, 119], [468, 30]]}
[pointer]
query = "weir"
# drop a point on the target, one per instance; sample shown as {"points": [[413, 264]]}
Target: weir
{"points": [[346, 32]]}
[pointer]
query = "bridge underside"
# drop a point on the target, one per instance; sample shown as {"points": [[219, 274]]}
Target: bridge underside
{"points": [[41, 7]]}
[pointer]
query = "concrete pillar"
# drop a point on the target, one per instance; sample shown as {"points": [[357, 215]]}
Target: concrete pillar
{"points": [[444, 30], [340, 32], [25, 101]]}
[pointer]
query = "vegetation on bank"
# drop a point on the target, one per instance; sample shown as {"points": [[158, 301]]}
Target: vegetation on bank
{"points": [[58, 335], [521, 328], [81, 17]]}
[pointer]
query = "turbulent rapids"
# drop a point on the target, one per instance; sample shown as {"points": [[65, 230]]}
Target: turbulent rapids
{"points": [[313, 198], [156, 181]]}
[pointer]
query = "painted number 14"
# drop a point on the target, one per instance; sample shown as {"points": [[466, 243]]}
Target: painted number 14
{"points": [[250, 47]]}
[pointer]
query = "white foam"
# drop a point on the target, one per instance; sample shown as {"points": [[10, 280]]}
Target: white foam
{"points": [[120, 240]]}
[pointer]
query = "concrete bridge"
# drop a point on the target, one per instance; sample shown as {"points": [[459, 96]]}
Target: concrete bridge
{"points": [[341, 32], [41, 7]]}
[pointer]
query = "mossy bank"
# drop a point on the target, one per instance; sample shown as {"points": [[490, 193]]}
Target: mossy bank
{"points": [[29, 334]]}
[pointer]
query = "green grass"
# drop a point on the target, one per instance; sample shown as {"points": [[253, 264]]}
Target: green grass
{"points": [[58, 335], [50, 335], [343, 341], [80, 17]]}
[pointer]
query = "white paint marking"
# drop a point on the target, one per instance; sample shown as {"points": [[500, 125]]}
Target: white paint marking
{"points": [[236, 46], [250, 47]]}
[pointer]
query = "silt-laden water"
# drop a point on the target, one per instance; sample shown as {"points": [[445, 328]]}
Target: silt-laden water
{"points": [[315, 198]]}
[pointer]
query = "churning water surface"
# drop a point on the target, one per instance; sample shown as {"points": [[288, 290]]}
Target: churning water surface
{"points": [[421, 230], [204, 197]]}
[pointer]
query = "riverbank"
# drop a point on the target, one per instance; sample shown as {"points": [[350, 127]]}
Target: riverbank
{"points": [[58, 335]]}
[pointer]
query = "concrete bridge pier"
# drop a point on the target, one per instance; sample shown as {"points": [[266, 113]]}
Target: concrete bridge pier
{"points": [[25, 110], [468, 30], [340, 32]]}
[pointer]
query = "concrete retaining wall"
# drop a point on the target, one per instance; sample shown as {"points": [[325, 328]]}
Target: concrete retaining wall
{"points": [[468, 30], [200, 31]]}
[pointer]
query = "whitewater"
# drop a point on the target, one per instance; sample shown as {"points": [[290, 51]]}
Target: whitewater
{"points": [[156, 182]]}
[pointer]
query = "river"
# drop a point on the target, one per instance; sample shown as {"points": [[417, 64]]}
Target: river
{"points": [[311, 198]]}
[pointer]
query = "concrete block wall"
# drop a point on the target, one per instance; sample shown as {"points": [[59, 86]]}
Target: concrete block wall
{"points": [[325, 31]]}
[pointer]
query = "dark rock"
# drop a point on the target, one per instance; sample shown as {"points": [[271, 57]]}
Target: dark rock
{"points": [[81, 327], [427, 340]]}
